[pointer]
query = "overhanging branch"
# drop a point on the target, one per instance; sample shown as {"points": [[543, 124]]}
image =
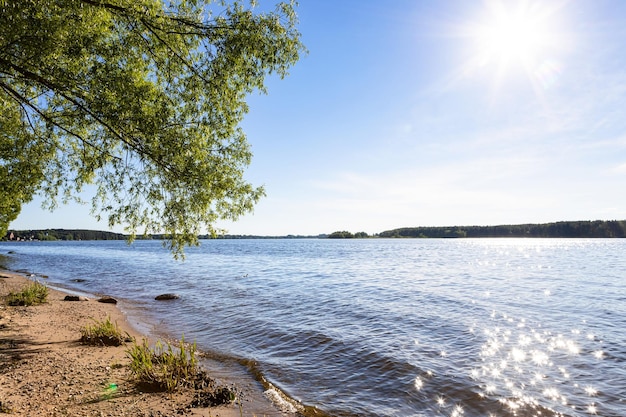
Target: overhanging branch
{"points": [[133, 144], [23, 101]]}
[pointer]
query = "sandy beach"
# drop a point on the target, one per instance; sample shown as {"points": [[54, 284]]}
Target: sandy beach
{"points": [[46, 371]]}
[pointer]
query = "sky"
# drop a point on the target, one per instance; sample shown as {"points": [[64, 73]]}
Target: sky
{"points": [[434, 113]]}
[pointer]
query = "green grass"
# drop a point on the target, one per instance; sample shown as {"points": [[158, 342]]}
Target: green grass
{"points": [[35, 293], [105, 333], [163, 368]]}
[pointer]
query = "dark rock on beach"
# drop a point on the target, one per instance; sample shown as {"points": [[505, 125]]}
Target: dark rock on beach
{"points": [[108, 300], [167, 297], [75, 298]]}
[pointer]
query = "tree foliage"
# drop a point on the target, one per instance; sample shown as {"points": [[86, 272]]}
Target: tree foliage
{"points": [[142, 98], [341, 234]]}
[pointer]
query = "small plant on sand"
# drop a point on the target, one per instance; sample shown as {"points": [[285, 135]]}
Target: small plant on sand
{"points": [[163, 368], [35, 293], [104, 333]]}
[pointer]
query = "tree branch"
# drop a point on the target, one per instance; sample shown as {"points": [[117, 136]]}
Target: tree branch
{"points": [[176, 54], [133, 144], [23, 101], [205, 28]]}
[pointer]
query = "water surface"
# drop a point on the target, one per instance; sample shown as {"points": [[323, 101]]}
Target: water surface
{"points": [[384, 327]]}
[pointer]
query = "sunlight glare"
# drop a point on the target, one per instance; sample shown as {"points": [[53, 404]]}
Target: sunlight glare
{"points": [[457, 411], [509, 34], [419, 384], [540, 358], [509, 39], [518, 355]]}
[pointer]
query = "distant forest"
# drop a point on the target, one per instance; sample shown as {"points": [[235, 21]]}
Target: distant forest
{"points": [[589, 229], [74, 234], [585, 229], [62, 234]]}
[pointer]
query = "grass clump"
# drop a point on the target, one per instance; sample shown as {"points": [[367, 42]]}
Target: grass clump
{"points": [[104, 333], [164, 368], [35, 293]]}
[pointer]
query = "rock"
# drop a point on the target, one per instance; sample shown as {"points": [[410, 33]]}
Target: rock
{"points": [[75, 298], [79, 280], [220, 395], [107, 299], [167, 297]]}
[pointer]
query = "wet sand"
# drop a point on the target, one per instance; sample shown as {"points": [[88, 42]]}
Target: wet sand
{"points": [[46, 371]]}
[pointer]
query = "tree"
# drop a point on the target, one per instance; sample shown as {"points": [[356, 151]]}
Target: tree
{"points": [[143, 99], [341, 235]]}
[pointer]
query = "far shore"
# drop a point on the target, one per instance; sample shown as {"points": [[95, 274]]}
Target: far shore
{"points": [[46, 371]]}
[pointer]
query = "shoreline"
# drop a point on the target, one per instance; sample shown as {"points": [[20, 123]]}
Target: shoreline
{"points": [[46, 371]]}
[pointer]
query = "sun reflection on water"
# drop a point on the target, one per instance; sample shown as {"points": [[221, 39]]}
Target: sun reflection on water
{"points": [[457, 411], [419, 383], [531, 356], [527, 370]]}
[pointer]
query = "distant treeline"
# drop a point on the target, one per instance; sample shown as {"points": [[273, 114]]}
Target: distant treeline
{"points": [[589, 229], [74, 234], [347, 235], [62, 234], [584, 229]]}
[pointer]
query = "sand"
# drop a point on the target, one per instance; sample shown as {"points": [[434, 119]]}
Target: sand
{"points": [[46, 371]]}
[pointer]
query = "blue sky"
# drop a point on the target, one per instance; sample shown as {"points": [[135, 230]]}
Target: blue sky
{"points": [[417, 113]]}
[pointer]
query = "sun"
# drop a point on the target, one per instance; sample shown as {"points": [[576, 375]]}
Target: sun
{"points": [[514, 36], [510, 36]]}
